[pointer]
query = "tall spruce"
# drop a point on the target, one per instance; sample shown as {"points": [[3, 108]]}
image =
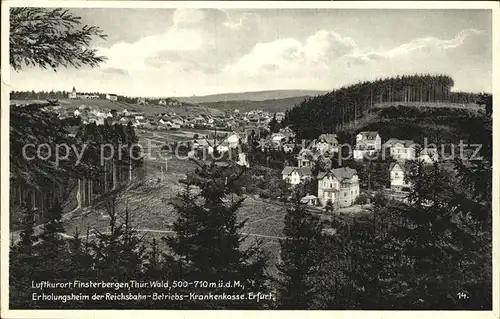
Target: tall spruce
{"points": [[299, 257], [208, 243]]}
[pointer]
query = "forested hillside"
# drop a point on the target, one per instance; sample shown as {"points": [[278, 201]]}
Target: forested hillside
{"points": [[333, 111]]}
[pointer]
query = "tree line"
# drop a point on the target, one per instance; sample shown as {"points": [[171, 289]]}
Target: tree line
{"points": [[43, 95], [333, 111], [431, 252], [46, 170]]}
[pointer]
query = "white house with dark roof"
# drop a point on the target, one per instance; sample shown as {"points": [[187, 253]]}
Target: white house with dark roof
{"points": [[310, 200], [296, 175], [326, 143], [367, 143], [306, 158], [112, 97], [401, 150], [339, 185], [429, 155], [397, 172]]}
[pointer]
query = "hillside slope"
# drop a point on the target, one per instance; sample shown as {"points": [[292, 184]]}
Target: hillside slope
{"points": [[445, 125], [250, 96], [272, 106]]}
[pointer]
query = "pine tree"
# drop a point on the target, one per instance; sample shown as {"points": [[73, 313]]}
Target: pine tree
{"points": [[27, 234], [208, 241], [54, 226], [22, 263], [274, 126], [299, 258]]}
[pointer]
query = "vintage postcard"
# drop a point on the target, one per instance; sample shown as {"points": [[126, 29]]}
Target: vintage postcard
{"points": [[251, 156]]}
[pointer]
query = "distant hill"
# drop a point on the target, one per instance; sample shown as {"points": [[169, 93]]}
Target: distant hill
{"points": [[333, 111], [273, 106], [250, 96]]}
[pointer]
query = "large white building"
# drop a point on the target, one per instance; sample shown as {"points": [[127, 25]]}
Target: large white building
{"points": [[367, 144], [326, 143], [112, 97], [340, 186], [75, 95], [401, 150]]}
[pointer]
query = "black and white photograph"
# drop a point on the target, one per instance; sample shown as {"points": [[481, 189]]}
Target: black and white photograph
{"points": [[232, 156]]}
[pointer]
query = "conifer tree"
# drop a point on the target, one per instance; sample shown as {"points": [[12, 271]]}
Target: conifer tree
{"points": [[274, 126], [208, 241], [299, 258]]}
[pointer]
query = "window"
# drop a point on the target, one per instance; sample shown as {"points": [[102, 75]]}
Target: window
{"points": [[396, 174], [345, 194]]}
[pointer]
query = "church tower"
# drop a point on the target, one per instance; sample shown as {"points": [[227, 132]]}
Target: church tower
{"points": [[72, 95]]}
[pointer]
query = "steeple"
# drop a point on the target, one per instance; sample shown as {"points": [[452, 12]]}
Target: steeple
{"points": [[74, 90]]}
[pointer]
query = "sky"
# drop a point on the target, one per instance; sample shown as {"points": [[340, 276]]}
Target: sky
{"points": [[186, 52]]}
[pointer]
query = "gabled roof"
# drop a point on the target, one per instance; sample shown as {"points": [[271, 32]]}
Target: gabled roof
{"points": [[329, 138], [394, 141], [321, 175], [429, 151], [369, 135], [340, 173], [307, 198], [344, 173], [401, 164], [303, 171]]}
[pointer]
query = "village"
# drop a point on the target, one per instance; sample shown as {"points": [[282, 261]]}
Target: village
{"points": [[337, 185]]}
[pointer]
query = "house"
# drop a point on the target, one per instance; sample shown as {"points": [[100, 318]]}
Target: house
{"points": [[326, 143], [367, 144], [397, 172], [233, 140], [242, 160], [278, 138], [310, 200], [112, 97], [288, 148], [287, 132], [142, 100], [88, 96], [96, 120], [401, 149], [296, 175], [306, 158], [429, 155], [76, 113], [280, 116], [222, 148], [340, 186], [162, 102]]}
